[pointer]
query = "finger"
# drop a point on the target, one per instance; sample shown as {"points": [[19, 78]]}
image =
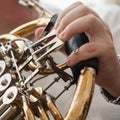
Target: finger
{"points": [[74, 14], [66, 11], [39, 31], [106, 26], [86, 51], [89, 23]]}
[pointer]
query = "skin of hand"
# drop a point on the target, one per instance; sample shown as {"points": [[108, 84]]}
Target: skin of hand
{"points": [[79, 18], [12, 15]]}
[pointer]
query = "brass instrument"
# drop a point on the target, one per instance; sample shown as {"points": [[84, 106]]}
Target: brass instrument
{"points": [[23, 62]]}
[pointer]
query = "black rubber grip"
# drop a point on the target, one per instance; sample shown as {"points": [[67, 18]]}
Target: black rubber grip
{"points": [[75, 42], [71, 45], [51, 23]]}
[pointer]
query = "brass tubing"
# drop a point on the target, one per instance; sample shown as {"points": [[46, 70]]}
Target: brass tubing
{"points": [[10, 113], [1, 100], [83, 95], [42, 112], [20, 116], [3, 108], [84, 90], [30, 27], [27, 110], [53, 109]]}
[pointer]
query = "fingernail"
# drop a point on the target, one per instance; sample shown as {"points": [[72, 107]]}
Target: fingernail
{"points": [[62, 35]]}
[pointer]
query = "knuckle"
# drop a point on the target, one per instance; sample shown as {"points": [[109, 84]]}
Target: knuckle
{"points": [[85, 8], [92, 18], [110, 44], [77, 3], [82, 9], [107, 45], [93, 21], [90, 47]]}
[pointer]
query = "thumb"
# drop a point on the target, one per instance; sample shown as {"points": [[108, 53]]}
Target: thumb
{"points": [[86, 51], [39, 31]]}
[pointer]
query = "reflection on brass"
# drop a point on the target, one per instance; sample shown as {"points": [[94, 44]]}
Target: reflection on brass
{"points": [[42, 113], [11, 113], [53, 109], [24, 62], [28, 113], [83, 94]]}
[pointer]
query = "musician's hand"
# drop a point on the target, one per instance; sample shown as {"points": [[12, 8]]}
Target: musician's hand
{"points": [[79, 18], [39, 31]]}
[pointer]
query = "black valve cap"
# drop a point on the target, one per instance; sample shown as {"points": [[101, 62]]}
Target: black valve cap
{"points": [[71, 45]]}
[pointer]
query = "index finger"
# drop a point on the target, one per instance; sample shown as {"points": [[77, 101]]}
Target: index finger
{"points": [[62, 14]]}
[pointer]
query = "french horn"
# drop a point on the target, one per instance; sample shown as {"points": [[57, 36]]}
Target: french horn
{"points": [[24, 62]]}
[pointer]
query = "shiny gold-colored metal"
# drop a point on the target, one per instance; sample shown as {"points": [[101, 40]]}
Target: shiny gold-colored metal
{"points": [[53, 109], [83, 95], [28, 113], [30, 27], [32, 102]]}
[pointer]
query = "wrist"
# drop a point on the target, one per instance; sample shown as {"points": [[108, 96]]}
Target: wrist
{"points": [[113, 86], [109, 97]]}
